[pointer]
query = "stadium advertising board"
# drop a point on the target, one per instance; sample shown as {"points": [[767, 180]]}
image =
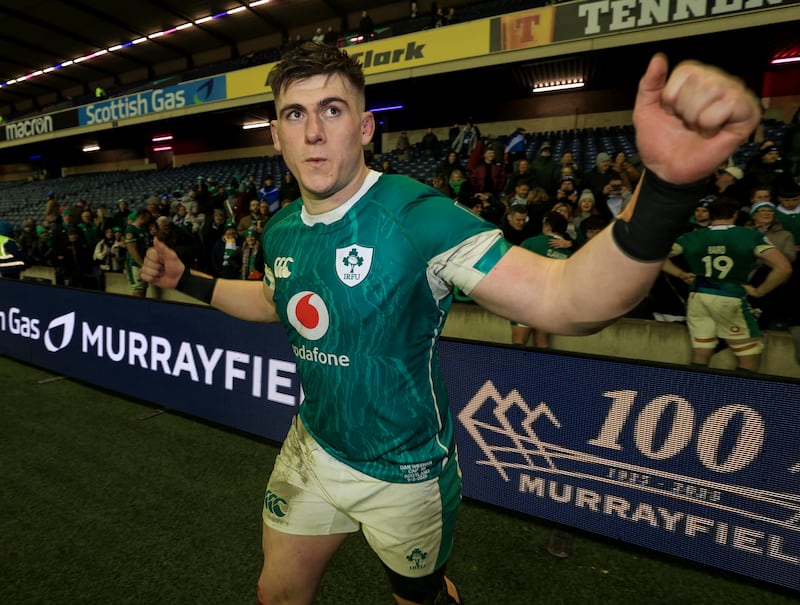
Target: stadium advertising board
{"points": [[460, 41], [44, 124], [192, 359], [153, 101], [695, 464], [601, 17], [698, 465]]}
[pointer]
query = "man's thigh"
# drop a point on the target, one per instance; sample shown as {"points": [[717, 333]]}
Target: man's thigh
{"points": [[294, 565]]}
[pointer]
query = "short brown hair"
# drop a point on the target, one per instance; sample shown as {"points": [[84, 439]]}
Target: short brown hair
{"points": [[311, 59]]}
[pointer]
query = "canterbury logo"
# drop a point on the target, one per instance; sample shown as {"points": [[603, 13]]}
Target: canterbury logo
{"points": [[281, 267], [275, 504]]}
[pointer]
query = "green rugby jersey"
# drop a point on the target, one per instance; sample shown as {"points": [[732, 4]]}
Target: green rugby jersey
{"points": [[540, 244], [364, 291], [721, 256], [140, 237]]}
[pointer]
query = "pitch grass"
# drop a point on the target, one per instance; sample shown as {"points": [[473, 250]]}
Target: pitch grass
{"points": [[104, 503]]}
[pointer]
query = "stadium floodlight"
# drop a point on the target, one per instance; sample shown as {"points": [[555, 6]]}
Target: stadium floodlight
{"points": [[556, 86], [782, 60]]}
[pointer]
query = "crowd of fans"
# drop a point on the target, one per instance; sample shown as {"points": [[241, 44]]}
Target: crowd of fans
{"points": [[216, 229]]}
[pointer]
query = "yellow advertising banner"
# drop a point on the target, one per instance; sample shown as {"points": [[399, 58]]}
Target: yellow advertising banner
{"points": [[524, 29], [440, 45]]}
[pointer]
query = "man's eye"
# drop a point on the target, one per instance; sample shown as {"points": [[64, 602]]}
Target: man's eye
{"points": [[331, 111]]}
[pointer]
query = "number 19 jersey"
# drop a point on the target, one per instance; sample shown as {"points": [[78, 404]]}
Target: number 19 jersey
{"points": [[364, 291]]}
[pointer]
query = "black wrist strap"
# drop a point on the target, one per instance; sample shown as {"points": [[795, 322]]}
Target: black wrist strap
{"points": [[195, 286], [660, 214]]}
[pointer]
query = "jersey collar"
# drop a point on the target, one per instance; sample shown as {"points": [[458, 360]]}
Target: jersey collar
{"points": [[326, 218]]}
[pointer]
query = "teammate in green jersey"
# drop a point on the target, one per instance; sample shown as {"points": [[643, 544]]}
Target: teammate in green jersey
{"points": [[721, 258], [360, 270]]}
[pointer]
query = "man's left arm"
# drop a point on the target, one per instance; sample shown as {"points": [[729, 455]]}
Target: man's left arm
{"points": [[686, 124]]}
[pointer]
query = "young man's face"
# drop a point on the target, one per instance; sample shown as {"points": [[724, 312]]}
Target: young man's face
{"points": [[320, 131]]}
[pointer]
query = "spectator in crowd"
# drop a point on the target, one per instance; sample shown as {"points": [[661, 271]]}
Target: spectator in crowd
{"points": [[546, 173], [413, 11], [586, 207], [726, 183], [490, 175], [568, 212], [74, 266], [767, 167], [90, 232], [44, 253], [757, 194], [386, 166], [438, 17], [106, 252], [255, 220], [319, 36], [210, 234], [102, 219], [270, 193], [618, 196], [515, 147], [568, 161], [450, 18], [720, 259], [251, 257], [366, 27], [627, 172], [225, 257], [52, 210], [788, 209], [460, 188], [466, 141], [775, 306], [450, 163], [554, 226], [439, 183], [137, 241], [520, 194], [598, 179], [567, 192], [514, 225], [27, 238], [522, 171], [701, 216], [120, 216], [331, 36], [403, 148], [289, 189], [429, 145]]}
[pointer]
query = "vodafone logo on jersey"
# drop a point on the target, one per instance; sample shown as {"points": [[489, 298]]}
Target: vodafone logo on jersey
{"points": [[308, 314]]}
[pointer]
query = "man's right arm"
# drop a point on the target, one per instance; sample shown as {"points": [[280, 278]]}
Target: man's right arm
{"points": [[248, 300], [780, 272]]}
